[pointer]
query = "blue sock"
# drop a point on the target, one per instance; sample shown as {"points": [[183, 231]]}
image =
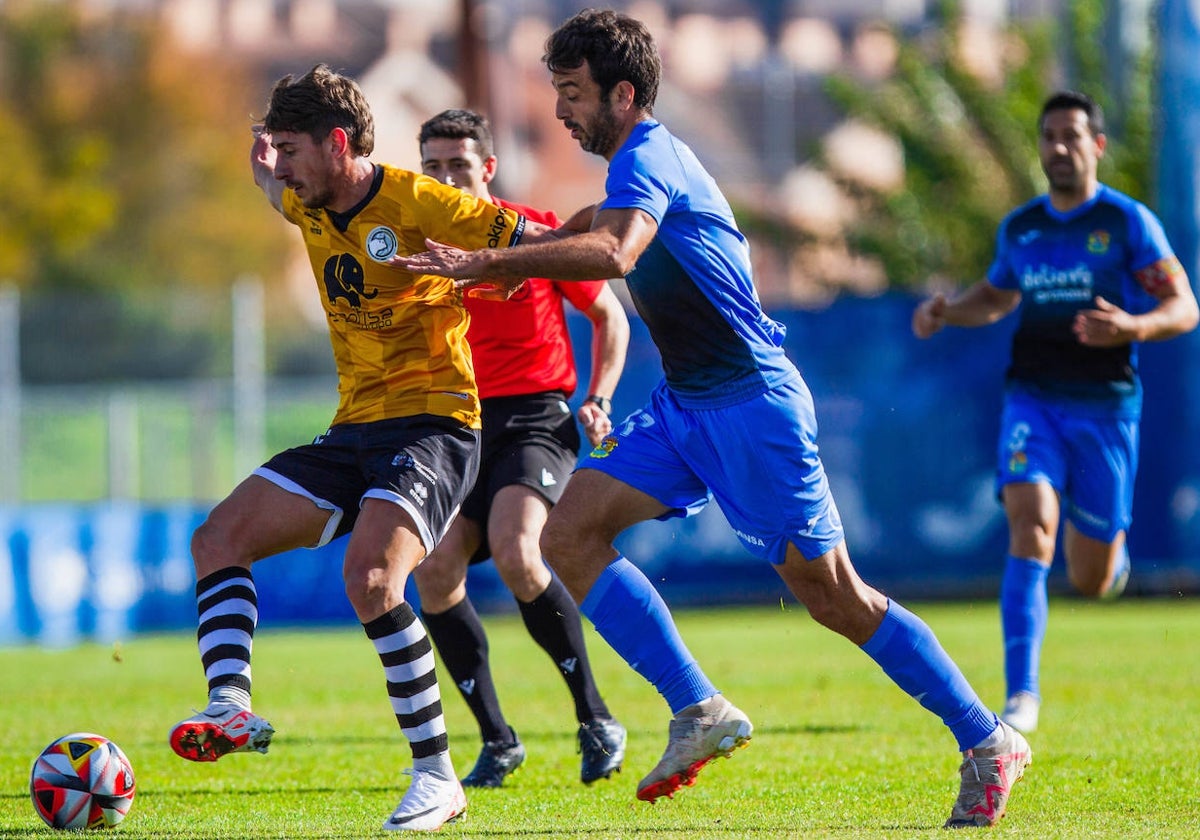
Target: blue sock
{"points": [[908, 652], [1023, 612], [632, 617]]}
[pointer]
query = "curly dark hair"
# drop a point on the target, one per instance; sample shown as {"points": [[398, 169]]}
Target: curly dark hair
{"points": [[616, 47]]}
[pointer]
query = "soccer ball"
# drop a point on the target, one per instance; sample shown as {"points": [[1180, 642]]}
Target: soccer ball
{"points": [[82, 780]]}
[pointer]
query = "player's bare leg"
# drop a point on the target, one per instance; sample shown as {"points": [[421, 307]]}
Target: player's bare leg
{"points": [[515, 524], [1096, 568], [384, 548], [258, 519]]}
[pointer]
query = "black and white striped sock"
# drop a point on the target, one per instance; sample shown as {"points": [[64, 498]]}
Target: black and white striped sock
{"points": [[227, 604], [407, 657]]}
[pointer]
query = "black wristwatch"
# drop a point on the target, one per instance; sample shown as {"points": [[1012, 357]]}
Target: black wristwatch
{"points": [[604, 403]]}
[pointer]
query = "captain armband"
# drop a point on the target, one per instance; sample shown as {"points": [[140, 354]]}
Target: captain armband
{"points": [[1160, 275]]}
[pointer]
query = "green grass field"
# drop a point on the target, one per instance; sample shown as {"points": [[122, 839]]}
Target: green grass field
{"points": [[838, 751]]}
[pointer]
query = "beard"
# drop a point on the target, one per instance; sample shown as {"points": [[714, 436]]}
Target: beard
{"points": [[600, 135], [1062, 176], [317, 200]]}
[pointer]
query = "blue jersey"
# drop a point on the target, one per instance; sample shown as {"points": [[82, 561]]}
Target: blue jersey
{"points": [[693, 285], [1060, 262]]}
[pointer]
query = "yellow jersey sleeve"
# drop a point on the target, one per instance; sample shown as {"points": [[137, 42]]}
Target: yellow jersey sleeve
{"points": [[399, 339]]}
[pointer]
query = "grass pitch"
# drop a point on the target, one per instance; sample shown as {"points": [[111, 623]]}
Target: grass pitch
{"points": [[838, 751]]}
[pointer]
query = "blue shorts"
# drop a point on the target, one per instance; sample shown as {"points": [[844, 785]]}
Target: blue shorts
{"points": [[757, 458], [426, 464], [1090, 460]]}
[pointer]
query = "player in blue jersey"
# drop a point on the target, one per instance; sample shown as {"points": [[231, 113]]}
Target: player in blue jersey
{"points": [[732, 420], [1093, 275]]}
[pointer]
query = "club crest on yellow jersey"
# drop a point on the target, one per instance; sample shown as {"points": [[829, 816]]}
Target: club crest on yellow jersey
{"points": [[382, 243]]}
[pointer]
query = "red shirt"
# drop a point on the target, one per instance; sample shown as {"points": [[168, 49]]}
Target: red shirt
{"points": [[521, 345]]}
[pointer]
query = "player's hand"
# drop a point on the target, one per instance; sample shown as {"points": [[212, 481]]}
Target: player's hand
{"points": [[262, 153], [489, 288], [442, 260], [1107, 325], [596, 424], [930, 316], [467, 269]]}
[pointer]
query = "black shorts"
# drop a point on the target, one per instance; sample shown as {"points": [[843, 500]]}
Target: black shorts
{"points": [[531, 440], [425, 463]]}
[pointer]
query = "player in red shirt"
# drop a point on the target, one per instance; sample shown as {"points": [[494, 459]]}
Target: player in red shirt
{"points": [[525, 369]]}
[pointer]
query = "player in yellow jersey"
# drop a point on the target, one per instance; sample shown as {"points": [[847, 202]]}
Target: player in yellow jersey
{"points": [[402, 451]]}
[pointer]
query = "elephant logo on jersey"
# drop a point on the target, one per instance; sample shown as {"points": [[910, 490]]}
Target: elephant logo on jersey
{"points": [[345, 278], [382, 244]]}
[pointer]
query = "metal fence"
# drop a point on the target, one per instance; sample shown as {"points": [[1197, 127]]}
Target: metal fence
{"points": [[152, 440]]}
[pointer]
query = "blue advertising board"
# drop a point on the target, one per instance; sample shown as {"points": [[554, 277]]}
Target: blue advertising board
{"points": [[907, 433]]}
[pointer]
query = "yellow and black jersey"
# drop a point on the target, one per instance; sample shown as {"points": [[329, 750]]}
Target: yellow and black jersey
{"points": [[399, 339]]}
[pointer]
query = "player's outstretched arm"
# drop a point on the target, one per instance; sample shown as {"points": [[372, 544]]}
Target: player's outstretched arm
{"points": [[580, 221], [609, 249], [976, 306]]}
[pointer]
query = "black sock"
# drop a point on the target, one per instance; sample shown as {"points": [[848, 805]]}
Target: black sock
{"points": [[461, 642], [553, 621]]}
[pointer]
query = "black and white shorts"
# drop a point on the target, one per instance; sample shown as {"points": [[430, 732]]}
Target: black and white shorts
{"points": [[425, 463]]}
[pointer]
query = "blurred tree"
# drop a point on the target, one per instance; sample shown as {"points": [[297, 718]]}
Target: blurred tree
{"points": [[970, 145], [127, 183], [58, 203]]}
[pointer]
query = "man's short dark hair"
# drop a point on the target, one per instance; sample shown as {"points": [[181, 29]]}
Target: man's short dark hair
{"points": [[317, 103], [459, 124], [1073, 100], [616, 47]]}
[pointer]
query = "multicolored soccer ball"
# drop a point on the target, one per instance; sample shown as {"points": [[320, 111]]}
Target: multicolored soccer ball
{"points": [[82, 780]]}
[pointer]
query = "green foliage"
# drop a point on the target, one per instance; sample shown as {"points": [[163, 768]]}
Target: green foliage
{"points": [[58, 202], [970, 146], [131, 176], [133, 157], [1128, 103], [838, 751]]}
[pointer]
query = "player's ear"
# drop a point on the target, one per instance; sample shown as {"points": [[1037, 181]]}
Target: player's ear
{"points": [[622, 95], [1101, 144], [339, 141], [490, 164]]}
